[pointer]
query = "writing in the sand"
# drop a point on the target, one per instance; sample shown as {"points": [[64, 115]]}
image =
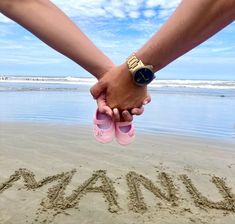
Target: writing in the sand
{"points": [[167, 191]]}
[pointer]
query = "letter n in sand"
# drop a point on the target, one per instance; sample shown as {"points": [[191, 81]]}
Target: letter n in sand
{"points": [[134, 182]]}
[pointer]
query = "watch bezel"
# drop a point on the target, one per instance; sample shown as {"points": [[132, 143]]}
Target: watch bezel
{"points": [[149, 67]]}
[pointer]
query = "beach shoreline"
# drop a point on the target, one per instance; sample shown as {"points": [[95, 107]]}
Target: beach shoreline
{"points": [[172, 110], [163, 168]]}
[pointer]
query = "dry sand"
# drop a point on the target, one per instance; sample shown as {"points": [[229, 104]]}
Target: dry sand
{"points": [[60, 174]]}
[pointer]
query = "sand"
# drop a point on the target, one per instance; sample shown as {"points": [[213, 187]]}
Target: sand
{"points": [[60, 174]]}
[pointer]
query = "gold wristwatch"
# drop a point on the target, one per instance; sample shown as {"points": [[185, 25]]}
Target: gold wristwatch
{"points": [[142, 74]]}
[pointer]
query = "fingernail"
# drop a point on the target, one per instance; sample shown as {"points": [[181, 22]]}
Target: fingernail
{"points": [[145, 102]]}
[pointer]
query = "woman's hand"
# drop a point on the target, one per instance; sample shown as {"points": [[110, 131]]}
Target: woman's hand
{"points": [[126, 115]]}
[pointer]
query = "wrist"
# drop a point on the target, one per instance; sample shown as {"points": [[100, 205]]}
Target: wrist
{"points": [[100, 71], [150, 59], [128, 77], [142, 73]]}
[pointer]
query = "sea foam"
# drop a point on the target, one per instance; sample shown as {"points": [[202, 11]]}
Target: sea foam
{"points": [[205, 84]]}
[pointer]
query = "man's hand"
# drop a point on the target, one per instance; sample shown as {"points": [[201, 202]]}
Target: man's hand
{"points": [[120, 90]]}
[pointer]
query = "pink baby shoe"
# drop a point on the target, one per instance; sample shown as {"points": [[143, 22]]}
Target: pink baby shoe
{"points": [[104, 128], [125, 132]]}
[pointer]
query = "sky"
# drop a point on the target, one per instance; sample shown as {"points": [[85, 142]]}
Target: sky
{"points": [[118, 28]]}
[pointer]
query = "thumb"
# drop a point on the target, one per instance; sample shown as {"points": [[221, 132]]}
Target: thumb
{"points": [[97, 89], [102, 105]]}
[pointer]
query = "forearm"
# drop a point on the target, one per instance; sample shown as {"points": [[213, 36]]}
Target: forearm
{"points": [[53, 27], [192, 23]]}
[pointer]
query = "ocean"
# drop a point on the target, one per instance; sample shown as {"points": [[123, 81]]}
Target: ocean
{"points": [[202, 108]]}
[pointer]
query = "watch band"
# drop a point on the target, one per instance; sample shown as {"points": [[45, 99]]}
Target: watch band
{"points": [[133, 62]]}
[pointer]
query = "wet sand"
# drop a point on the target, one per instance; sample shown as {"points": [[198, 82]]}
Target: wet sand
{"points": [[60, 174]]}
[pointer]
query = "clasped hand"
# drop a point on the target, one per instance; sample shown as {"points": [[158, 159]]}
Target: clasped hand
{"points": [[118, 95]]}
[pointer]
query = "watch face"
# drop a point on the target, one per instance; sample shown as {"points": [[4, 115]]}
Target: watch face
{"points": [[143, 76]]}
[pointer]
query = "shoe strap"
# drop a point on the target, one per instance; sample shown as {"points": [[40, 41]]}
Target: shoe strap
{"points": [[100, 122], [123, 124]]}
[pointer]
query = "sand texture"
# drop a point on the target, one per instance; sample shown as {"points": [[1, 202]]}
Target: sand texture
{"points": [[60, 174]]}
